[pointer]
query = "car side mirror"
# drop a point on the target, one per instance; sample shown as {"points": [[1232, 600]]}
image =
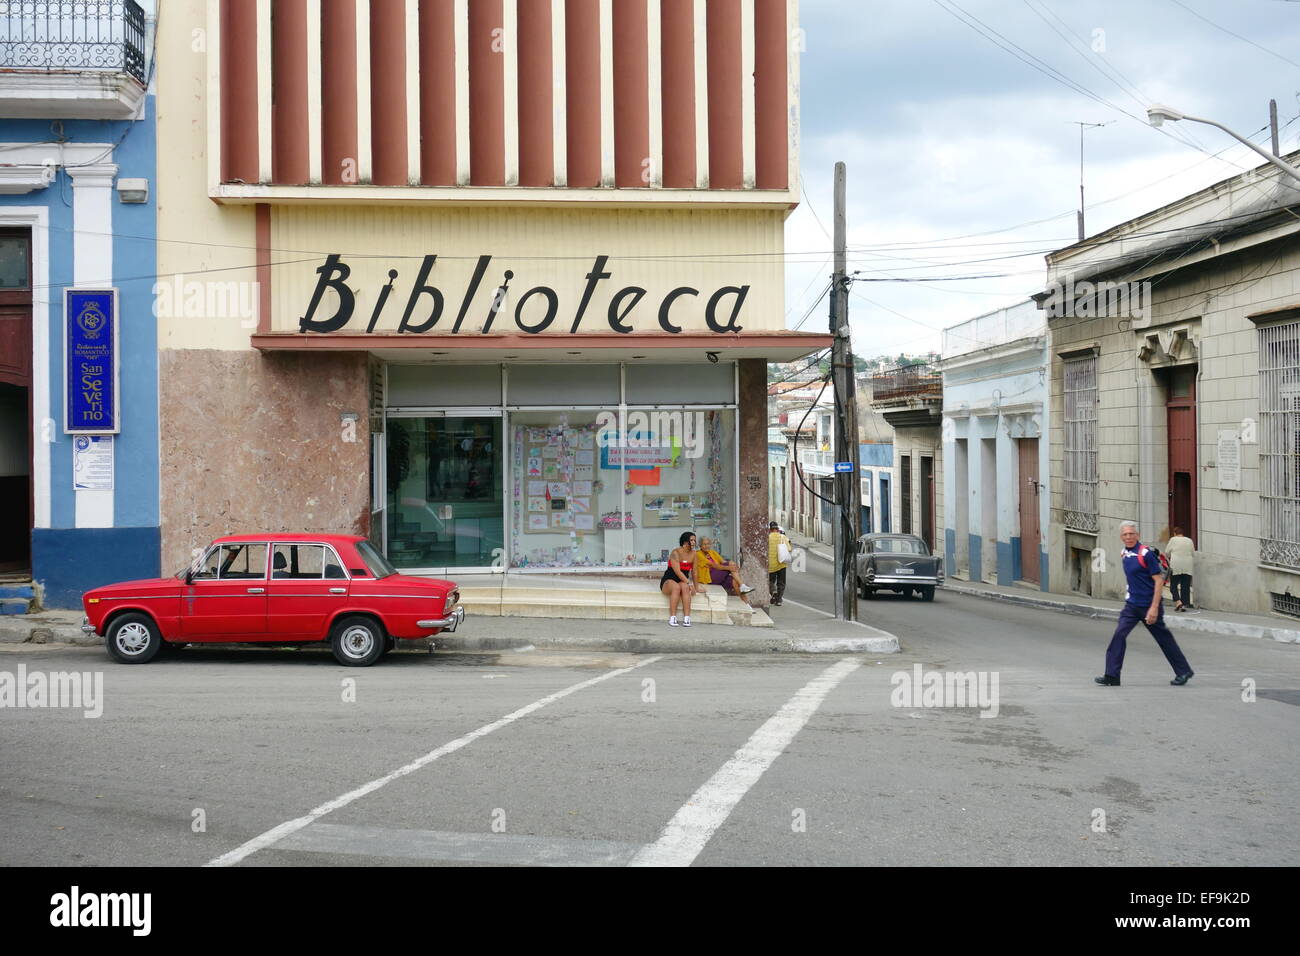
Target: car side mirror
{"points": [[189, 576]]}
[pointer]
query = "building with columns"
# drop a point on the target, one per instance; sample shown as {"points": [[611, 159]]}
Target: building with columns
{"points": [[995, 460], [78, 341], [515, 266]]}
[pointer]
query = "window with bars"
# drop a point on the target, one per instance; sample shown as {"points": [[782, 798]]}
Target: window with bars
{"points": [[905, 494], [1279, 444], [1081, 443]]}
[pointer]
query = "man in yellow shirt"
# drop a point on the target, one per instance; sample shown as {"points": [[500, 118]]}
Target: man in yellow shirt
{"points": [[775, 566]]}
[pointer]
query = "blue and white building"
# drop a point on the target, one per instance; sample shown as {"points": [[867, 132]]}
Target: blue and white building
{"points": [[995, 447], [77, 212]]}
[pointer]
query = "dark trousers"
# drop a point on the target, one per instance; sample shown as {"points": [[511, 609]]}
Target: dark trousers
{"points": [[1181, 586], [776, 584], [1128, 619]]}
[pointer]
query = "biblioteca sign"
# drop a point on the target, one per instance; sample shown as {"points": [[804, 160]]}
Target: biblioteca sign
{"points": [[428, 309]]}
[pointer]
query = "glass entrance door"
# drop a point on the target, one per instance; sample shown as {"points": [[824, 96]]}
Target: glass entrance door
{"points": [[445, 492]]}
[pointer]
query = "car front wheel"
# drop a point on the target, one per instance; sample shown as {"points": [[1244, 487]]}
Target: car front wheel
{"points": [[133, 639], [357, 641]]}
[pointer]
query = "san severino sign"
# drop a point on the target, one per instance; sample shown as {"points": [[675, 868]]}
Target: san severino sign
{"points": [[504, 308]]}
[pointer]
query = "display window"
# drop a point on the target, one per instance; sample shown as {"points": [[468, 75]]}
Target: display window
{"points": [[586, 493]]}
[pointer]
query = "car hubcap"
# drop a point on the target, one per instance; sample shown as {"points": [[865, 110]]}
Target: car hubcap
{"points": [[132, 638], [358, 642]]}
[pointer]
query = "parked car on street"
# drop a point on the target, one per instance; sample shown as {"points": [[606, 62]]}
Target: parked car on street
{"points": [[275, 589], [897, 562]]}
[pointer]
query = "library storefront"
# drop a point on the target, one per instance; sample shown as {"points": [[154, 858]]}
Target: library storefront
{"points": [[573, 399], [555, 466]]}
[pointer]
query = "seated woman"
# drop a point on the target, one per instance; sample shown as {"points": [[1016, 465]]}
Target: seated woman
{"points": [[712, 569], [678, 582]]}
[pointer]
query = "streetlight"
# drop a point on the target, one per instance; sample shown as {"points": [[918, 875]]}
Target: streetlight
{"points": [[1157, 114]]}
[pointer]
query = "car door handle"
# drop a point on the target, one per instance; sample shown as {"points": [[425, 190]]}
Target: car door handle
{"points": [[256, 590], [338, 590]]}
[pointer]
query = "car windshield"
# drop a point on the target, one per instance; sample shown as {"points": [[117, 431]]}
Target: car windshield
{"points": [[899, 546], [376, 562]]}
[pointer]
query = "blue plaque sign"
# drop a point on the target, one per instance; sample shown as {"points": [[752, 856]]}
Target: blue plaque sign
{"points": [[90, 361]]}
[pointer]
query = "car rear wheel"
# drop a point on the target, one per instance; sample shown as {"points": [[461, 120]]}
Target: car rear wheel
{"points": [[927, 593], [133, 639], [357, 641], [865, 592]]}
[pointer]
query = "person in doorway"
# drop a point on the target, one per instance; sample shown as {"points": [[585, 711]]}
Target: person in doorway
{"points": [[678, 582], [1142, 602], [1181, 552], [778, 559], [710, 568]]}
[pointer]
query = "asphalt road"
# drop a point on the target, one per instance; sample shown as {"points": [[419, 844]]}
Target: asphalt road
{"points": [[270, 757]]}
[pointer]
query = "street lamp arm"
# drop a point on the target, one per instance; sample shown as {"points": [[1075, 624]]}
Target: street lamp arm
{"points": [[1281, 164]]}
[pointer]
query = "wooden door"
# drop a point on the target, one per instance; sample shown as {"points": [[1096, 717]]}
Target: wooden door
{"points": [[15, 399], [1030, 531], [927, 501], [1181, 411]]}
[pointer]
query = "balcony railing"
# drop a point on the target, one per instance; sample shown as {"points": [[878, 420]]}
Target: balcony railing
{"points": [[823, 460], [73, 36], [907, 381]]}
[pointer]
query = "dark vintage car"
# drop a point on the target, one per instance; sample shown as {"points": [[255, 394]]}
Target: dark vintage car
{"points": [[897, 562]]}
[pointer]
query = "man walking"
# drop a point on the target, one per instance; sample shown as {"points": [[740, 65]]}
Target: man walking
{"points": [[1146, 579], [775, 566]]}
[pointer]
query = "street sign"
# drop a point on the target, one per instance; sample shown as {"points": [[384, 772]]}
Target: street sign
{"points": [[843, 466]]}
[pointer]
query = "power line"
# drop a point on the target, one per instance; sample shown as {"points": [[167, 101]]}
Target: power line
{"points": [[1219, 26]]}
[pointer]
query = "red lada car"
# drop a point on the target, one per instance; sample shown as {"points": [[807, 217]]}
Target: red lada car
{"points": [[277, 589]]}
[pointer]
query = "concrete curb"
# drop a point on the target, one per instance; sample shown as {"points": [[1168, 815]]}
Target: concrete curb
{"points": [[679, 645], [1196, 624], [24, 629]]}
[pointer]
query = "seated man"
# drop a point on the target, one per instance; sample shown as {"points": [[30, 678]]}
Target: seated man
{"points": [[710, 568]]}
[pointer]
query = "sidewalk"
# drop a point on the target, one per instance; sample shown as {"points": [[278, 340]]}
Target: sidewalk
{"points": [[1205, 622], [788, 634], [1200, 621]]}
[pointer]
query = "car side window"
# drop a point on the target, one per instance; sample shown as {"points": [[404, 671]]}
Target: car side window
{"points": [[298, 562], [333, 567], [208, 569], [243, 561]]}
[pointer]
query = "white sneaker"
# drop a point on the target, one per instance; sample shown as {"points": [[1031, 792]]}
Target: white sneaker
{"points": [[672, 621], [686, 621], [746, 589]]}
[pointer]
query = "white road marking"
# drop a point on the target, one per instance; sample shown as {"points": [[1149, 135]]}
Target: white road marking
{"points": [[277, 834], [694, 824]]}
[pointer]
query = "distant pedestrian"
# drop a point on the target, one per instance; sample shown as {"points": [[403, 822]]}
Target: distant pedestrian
{"points": [[778, 559], [1181, 551], [1146, 578]]}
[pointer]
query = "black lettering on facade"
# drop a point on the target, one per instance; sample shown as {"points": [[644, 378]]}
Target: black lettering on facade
{"points": [[552, 306], [383, 298], [595, 275], [617, 317], [710, 315], [332, 274], [498, 297], [479, 269], [667, 304]]}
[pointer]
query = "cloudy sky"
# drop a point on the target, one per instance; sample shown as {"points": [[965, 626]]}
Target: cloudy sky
{"points": [[946, 134]]}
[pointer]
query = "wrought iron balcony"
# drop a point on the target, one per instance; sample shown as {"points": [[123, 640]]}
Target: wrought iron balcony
{"points": [[72, 58], [72, 35], [907, 381]]}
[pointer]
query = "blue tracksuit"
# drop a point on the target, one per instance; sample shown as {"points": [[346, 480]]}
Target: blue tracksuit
{"points": [[1137, 601]]}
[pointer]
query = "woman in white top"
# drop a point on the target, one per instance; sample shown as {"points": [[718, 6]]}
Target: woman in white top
{"points": [[1180, 551]]}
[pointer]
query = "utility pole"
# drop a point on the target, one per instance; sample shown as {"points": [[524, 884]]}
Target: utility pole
{"points": [[848, 521], [1080, 216], [1272, 124]]}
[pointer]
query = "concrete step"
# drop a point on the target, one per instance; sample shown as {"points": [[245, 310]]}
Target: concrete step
{"points": [[635, 601]]}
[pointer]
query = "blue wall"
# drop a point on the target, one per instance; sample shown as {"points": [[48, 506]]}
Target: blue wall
{"points": [[67, 560]]}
